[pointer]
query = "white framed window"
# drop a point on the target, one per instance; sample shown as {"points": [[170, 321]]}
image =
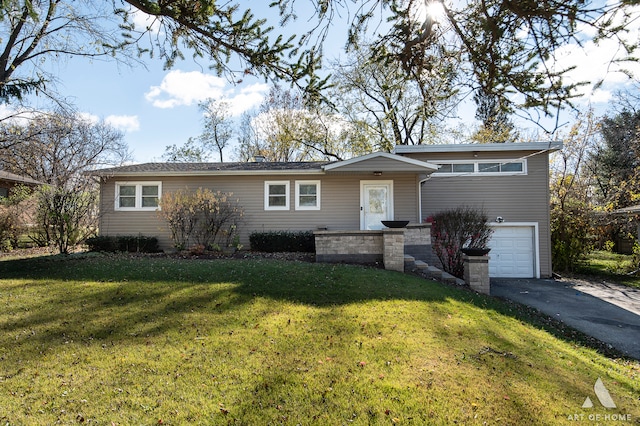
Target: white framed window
{"points": [[484, 167], [137, 196], [307, 195], [276, 195]]}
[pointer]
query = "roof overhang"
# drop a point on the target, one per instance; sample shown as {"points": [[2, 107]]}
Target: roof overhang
{"points": [[115, 173], [10, 177], [370, 163], [381, 162], [550, 146], [627, 211]]}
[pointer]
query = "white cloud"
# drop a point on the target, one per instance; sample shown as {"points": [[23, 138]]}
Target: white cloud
{"points": [[599, 96], [126, 123], [89, 118], [142, 21], [249, 97], [596, 64], [16, 116], [180, 88]]}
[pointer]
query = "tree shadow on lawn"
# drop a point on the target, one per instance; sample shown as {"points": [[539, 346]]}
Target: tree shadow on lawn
{"points": [[113, 300], [175, 287]]}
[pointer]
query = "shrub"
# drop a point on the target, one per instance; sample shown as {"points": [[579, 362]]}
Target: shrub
{"points": [[124, 243], [179, 210], [571, 236], [455, 229], [197, 249], [10, 228], [12, 216], [64, 216], [102, 243], [277, 241], [202, 217]]}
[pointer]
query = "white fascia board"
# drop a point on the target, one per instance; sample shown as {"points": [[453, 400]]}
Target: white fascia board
{"points": [[471, 147], [386, 155], [215, 173]]}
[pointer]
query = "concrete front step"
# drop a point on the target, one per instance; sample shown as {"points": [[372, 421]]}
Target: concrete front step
{"points": [[433, 272], [437, 274], [421, 265], [411, 264], [448, 278]]}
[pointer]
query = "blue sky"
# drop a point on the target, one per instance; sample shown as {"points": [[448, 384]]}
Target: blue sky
{"points": [[156, 108], [153, 107]]}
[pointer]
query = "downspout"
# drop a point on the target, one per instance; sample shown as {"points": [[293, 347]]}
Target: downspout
{"points": [[420, 184]]}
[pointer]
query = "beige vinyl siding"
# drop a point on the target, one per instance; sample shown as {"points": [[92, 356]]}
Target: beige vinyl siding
{"points": [[114, 222], [516, 198], [340, 203]]}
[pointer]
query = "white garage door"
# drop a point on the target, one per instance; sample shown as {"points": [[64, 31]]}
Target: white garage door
{"points": [[512, 252]]}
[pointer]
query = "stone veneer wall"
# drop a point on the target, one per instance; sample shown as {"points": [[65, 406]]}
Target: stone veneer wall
{"points": [[417, 241], [476, 273], [388, 245], [393, 249], [349, 246]]}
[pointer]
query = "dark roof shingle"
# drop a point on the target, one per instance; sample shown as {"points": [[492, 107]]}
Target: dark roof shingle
{"points": [[178, 168]]}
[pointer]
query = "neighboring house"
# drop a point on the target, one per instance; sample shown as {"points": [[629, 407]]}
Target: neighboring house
{"points": [[9, 180], [26, 209], [622, 234], [507, 180]]}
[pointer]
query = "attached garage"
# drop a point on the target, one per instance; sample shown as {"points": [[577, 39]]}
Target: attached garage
{"points": [[514, 251]]}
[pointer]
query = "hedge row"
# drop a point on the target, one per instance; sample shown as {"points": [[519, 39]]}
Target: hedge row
{"points": [[282, 241], [124, 243]]}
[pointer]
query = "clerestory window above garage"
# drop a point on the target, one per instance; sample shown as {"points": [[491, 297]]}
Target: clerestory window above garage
{"points": [[484, 168]]}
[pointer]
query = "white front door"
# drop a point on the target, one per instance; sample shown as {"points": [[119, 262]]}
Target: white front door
{"points": [[376, 203]]}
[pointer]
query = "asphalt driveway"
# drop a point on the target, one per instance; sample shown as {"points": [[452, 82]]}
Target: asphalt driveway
{"points": [[608, 312]]}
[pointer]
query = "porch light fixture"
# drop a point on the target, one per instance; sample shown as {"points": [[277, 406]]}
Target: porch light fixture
{"points": [[377, 173]]}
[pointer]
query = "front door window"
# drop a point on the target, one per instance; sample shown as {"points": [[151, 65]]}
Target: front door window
{"points": [[377, 204]]}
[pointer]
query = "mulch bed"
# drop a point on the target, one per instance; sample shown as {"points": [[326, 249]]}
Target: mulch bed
{"points": [[242, 254], [245, 254]]}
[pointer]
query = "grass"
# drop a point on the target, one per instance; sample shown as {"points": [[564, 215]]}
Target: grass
{"points": [[611, 266], [122, 340]]}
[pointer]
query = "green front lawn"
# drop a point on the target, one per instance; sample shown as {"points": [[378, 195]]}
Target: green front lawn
{"points": [[613, 267], [118, 340]]}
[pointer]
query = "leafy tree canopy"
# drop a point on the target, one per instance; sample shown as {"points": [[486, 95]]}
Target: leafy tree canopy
{"points": [[396, 108], [507, 47], [284, 128], [616, 162], [496, 125], [191, 152]]}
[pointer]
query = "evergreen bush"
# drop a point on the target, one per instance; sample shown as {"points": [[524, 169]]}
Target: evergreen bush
{"points": [[123, 243], [283, 241]]}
